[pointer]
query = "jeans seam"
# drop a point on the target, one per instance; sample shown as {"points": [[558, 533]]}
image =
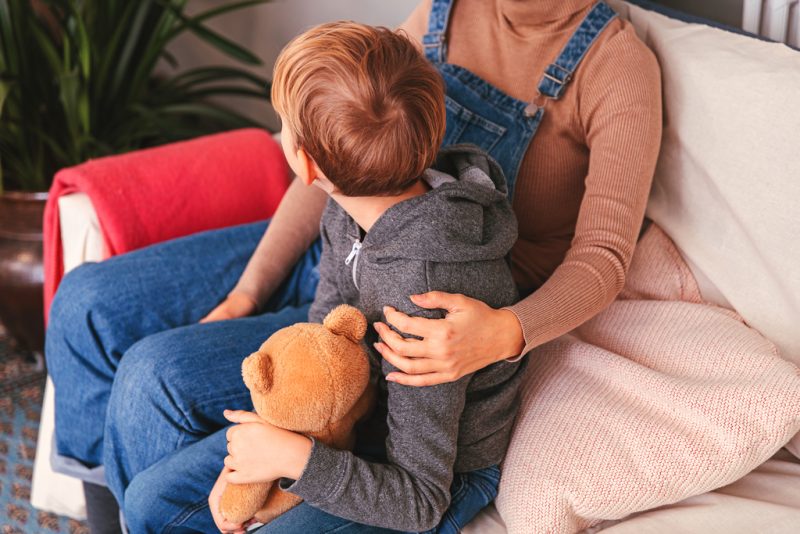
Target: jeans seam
{"points": [[196, 405], [338, 528], [185, 514]]}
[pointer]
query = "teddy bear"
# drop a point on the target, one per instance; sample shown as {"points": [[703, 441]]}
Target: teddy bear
{"points": [[309, 378]]}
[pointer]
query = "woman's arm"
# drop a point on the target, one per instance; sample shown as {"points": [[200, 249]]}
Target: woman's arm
{"points": [[293, 228], [620, 108]]}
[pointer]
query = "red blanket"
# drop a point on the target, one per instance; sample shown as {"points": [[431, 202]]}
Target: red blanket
{"points": [[152, 195]]}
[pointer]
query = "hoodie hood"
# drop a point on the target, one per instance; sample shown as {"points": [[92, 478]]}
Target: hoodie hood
{"points": [[465, 217]]}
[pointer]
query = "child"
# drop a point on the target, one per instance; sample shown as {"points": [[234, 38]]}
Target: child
{"points": [[363, 116]]}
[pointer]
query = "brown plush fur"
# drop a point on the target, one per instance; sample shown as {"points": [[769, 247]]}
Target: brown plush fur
{"points": [[308, 378]]}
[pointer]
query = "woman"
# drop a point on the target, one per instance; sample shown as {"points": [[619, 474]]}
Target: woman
{"points": [[560, 92]]}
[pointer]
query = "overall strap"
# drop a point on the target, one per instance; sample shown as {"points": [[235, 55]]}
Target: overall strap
{"points": [[434, 41], [559, 73]]}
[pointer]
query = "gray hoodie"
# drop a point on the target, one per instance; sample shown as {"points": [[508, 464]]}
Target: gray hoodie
{"points": [[454, 238]]}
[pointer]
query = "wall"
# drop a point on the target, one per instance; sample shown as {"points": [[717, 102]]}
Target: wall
{"points": [[265, 29]]}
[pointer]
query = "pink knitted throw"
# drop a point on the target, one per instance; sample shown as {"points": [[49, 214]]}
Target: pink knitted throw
{"points": [[658, 398]]}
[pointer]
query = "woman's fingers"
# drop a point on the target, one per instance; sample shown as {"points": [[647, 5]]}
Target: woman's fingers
{"points": [[407, 347], [415, 326], [429, 379], [414, 366], [439, 300]]}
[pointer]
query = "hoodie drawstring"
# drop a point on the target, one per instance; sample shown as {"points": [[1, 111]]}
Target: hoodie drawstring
{"points": [[354, 256]]}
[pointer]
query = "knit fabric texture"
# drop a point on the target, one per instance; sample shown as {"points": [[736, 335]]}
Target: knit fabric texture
{"points": [[660, 397]]}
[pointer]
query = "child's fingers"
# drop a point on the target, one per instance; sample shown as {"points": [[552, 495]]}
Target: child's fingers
{"points": [[237, 477], [241, 416]]}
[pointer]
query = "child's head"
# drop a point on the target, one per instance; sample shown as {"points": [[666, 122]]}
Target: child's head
{"points": [[363, 104]]}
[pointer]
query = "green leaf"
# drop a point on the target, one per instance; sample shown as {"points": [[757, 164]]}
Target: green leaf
{"points": [[5, 87], [48, 49], [203, 75], [134, 33], [224, 45], [217, 11], [216, 40], [84, 48]]}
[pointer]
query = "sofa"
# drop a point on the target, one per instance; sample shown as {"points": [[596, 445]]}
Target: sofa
{"points": [[724, 192]]}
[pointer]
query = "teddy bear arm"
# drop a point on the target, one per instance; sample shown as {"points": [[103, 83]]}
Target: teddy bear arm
{"points": [[240, 502], [278, 502]]}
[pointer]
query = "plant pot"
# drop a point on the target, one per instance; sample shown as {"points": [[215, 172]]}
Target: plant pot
{"points": [[21, 269]]}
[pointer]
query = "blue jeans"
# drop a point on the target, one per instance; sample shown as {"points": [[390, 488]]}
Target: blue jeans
{"points": [[470, 493], [140, 386]]}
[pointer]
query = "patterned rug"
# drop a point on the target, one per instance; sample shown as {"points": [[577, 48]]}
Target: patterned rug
{"points": [[22, 381]]}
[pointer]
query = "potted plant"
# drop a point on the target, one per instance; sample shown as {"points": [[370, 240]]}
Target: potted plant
{"points": [[78, 80]]}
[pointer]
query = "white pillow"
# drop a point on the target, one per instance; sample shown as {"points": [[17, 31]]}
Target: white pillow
{"points": [[727, 187]]}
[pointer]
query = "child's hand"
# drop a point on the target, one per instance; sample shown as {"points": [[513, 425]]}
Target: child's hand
{"points": [[261, 452], [214, 499], [236, 305]]}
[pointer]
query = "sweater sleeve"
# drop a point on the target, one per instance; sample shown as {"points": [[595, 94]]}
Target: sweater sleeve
{"points": [[292, 230], [416, 25], [411, 491], [620, 110]]}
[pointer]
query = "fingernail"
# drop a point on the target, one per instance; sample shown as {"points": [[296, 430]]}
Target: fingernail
{"points": [[386, 309], [390, 378]]}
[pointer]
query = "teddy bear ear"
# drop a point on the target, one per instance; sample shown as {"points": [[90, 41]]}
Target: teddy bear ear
{"points": [[347, 321], [257, 372]]}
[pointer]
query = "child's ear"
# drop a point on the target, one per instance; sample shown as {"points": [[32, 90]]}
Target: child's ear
{"points": [[308, 167]]}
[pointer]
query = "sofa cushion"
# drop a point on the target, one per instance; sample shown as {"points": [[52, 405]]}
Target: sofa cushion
{"points": [[658, 398], [655, 401], [728, 178]]}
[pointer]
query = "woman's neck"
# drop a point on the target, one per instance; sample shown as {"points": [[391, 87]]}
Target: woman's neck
{"points": [[366, 210], [527, 16]]}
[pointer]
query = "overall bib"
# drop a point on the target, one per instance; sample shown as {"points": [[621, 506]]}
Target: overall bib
{"points": [[481, 114]]}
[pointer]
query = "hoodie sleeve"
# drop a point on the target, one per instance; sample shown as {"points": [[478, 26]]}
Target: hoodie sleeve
{"points": [[327, 296], [412, 491]]}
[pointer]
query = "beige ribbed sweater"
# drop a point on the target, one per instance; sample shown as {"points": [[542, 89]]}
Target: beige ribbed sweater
{"points": [[583, 184]]}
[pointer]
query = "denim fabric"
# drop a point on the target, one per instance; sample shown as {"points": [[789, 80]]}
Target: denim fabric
{"points": [[479, 113], [470, 493], [123, 340]]}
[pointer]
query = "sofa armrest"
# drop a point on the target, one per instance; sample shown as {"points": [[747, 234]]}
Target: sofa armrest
{"points": [[81, 237]]}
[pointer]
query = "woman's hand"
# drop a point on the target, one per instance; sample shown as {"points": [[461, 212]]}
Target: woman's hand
{"points": [[236, 305], [214, 500], [261, 452], [471, 337]]}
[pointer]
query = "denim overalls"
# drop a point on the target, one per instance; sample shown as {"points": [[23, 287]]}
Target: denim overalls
{"points": [[479, 113]]}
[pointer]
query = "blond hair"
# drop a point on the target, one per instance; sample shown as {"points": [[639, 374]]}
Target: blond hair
{"points": [[364, 104]]}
